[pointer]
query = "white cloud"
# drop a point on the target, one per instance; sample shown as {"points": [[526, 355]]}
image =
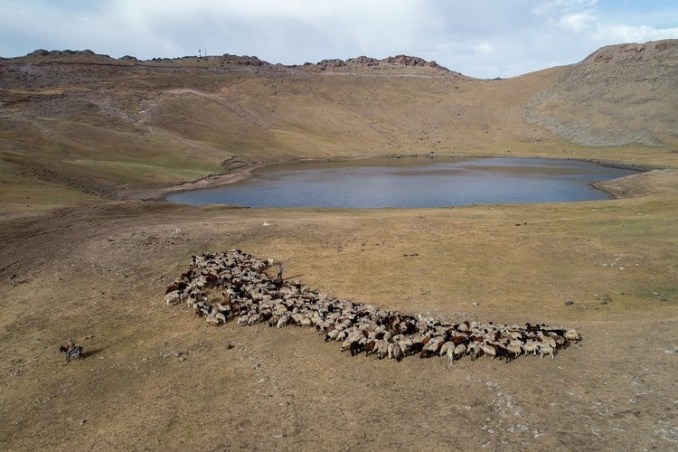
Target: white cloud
{"points": [[612, 33], [561, 7], [482, 38], [578, 22], [484, 47]]}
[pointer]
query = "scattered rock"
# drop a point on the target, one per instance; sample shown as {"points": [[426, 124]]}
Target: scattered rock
{"points": [[230, 346], [569, 302]]}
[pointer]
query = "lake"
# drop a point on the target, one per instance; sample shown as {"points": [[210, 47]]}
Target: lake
{"points": [[412, 183]]}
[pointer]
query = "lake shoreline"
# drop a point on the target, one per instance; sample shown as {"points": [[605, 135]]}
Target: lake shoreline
{"points": [[245, 172], [514, 171]]}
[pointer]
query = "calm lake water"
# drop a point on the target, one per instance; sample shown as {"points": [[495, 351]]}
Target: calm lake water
{"points": [[412, 183]]}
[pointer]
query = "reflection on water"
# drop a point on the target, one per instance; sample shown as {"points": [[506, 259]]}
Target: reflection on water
{"points": [[412, 183]]}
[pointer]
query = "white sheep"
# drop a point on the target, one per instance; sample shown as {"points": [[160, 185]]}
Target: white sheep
{"points": [[514, 348], [382, 349], [283, 321], [405, 344], [572, 335], [173, 298], [488, 349], [531, 346], [394, 351], [546, 339], [473, 349], [546, 350], [447, 349]]}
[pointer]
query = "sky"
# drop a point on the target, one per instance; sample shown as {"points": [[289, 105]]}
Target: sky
{"points": [[479, 38]]}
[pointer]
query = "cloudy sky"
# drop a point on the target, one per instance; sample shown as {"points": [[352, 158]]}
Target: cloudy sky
{"points": [[480, 38]]}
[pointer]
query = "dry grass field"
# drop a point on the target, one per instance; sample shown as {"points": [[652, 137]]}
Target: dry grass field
{"points": [[92, 265]]}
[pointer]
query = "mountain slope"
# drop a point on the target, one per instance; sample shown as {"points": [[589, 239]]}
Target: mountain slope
{"points": [[618, 95]]}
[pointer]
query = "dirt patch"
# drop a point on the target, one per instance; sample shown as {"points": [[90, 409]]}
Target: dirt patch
{"points": [[236, 174]]}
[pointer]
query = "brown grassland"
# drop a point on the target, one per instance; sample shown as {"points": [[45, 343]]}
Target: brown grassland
{"points": [[85, 138]]}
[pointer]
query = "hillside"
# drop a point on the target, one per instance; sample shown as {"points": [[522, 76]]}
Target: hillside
{"points": [[89, 125], [618, 95]]}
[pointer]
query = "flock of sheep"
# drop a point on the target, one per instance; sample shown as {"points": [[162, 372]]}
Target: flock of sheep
{"points": [[236, 285]]}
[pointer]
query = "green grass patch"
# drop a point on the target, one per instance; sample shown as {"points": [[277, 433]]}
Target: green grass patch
{"points": [[148, 172]]}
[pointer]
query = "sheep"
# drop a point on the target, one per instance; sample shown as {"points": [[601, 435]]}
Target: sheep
{"points": [[173, 298], [332, 335], [502, 352], [474, 350], [212, 321], [273, 320], [220, 316], [514, 349], [546, 350], [176, 285], [358, 346], [530, 346], [283, 321], [394, 351], [224, 308], [445, 349], [488, 349], [250, 295], [353, 338], [455, 352], [370, 347], [546, 339], [382, 349], [405, 344], [432, 347], [572, 335]]}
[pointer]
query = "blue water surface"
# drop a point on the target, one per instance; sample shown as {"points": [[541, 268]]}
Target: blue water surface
{"points": [[412, 183]]}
